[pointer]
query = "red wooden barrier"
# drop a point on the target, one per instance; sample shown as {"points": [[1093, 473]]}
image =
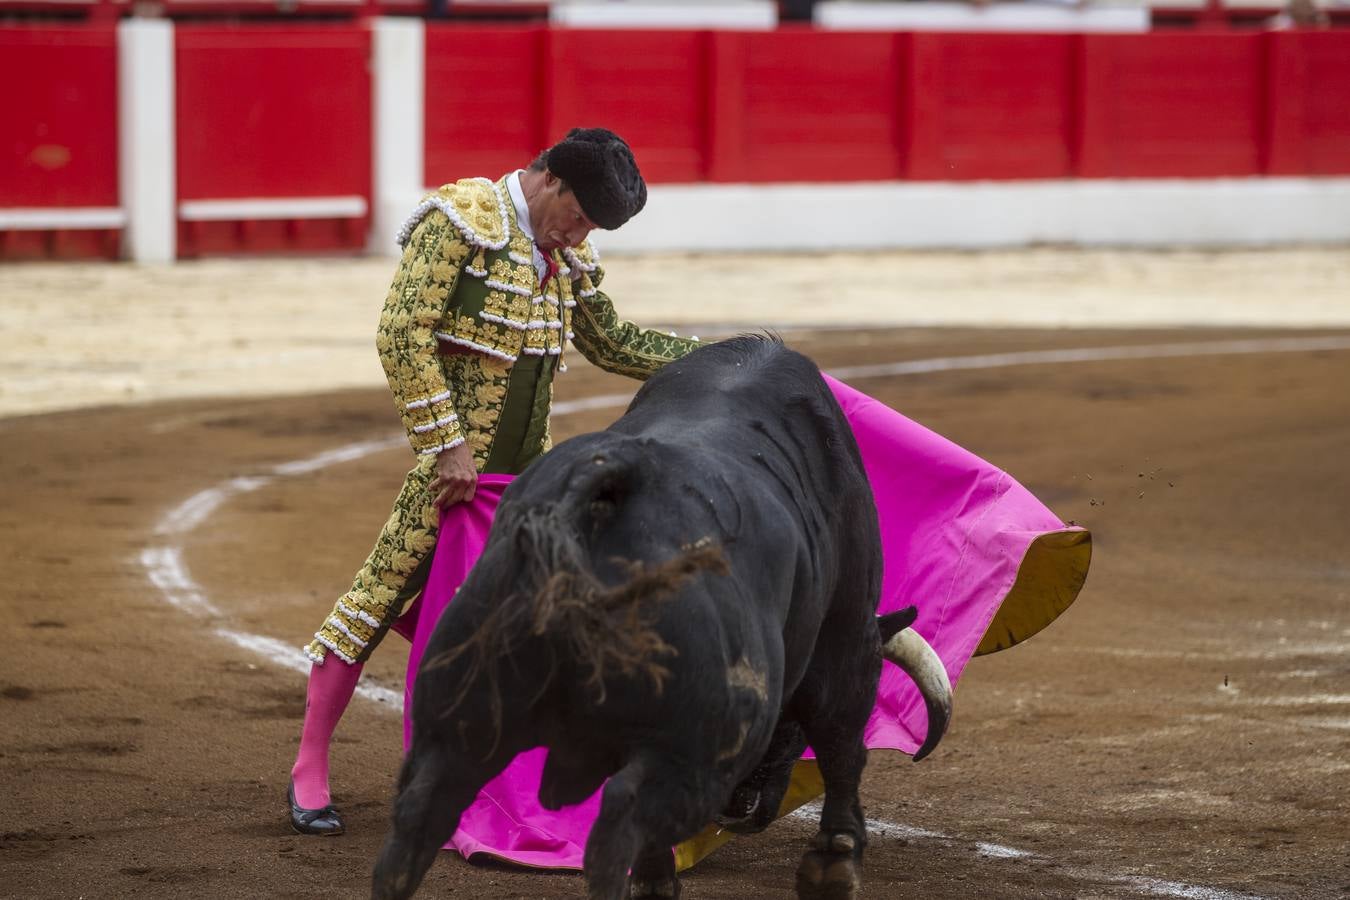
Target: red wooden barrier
{"points": [[1309, 103], [273, 112], [648, 86], [1171, 105], [58, 134], [990, 106], [798, 105], [283, 113], [485, 100]]}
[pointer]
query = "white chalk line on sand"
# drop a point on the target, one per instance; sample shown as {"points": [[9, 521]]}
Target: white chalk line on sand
{"points": [[167, 570], [1097, 354], [809, 813]]}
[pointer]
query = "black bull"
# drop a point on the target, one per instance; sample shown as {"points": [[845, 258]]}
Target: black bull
{"points": [[677, 604]]}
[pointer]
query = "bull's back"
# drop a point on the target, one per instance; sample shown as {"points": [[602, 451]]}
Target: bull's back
{"points": [[739, 446], [751, 439], [755, 419], [716, 390]]}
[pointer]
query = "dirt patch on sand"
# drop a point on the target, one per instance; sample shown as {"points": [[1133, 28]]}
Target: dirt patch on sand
{"points": [[1184, 726]]}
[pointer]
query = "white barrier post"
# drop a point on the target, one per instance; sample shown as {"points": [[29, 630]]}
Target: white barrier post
{"points": [[146, 148], [398, 84]]}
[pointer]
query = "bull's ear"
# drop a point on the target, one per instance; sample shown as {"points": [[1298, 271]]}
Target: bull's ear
{"points": [[892, 624]]}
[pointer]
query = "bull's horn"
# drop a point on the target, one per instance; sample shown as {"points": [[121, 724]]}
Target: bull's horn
{"points": [[911, 652]]}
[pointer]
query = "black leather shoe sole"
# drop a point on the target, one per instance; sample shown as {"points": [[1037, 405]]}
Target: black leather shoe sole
{"points": [[324, 822]]}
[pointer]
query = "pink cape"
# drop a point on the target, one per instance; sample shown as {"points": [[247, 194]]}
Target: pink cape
{"points": [[986, 563]]}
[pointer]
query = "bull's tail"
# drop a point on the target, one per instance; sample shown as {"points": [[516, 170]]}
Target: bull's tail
{"points": [[607, 627], [433, 793], [550, 590], [907, 649]]}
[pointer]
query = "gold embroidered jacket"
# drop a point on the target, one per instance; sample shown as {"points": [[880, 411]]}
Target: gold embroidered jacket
{"points": [[467, 279]]}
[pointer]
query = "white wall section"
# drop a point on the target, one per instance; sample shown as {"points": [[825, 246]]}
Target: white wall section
{"points": [[147, 151], [1133, 213], [1006, 17], [398, 84], [17, 218], [272, 208], [751, 15]]}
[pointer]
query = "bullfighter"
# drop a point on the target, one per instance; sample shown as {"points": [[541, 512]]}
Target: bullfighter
{"points": [[495, 280]]}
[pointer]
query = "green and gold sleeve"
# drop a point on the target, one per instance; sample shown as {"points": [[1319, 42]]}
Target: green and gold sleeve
{"points": [[420, 298], [617, 345]]}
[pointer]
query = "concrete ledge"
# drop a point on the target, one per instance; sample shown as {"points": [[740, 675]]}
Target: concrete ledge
{"points": [[1048, 17], [71, 218], [1127, 213], [352, 207], [752, 15]]}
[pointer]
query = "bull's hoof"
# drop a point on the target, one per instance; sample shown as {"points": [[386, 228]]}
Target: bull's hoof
{"points": [[739, 814], [654, 890], [749, 825], [832, 871]]}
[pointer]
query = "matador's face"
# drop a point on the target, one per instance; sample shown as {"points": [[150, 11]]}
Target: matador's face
{"points": [[556, 216]]}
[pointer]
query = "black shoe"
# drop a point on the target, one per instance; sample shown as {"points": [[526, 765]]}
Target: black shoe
{"points": [[325, 821]]}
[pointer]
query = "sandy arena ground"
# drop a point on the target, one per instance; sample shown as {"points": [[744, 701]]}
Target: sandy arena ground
{"points": [[1182, 731]]}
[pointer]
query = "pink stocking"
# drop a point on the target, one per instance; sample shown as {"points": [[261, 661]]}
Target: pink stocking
{"points": [[331, 686]]}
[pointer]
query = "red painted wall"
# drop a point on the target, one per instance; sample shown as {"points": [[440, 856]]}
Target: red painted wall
{"points": [[649, 87], [1309, 103], [272, 111], [267, 112], [797, 105], [485, 100], [990, 105], [58, 134], [801, 105], [1172, 105]]}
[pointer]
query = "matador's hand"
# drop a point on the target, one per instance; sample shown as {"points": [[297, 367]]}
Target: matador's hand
{"points": [[456, 477]]}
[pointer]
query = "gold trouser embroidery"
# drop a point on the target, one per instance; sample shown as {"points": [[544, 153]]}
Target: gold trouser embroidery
{"points": [[382, 587]]}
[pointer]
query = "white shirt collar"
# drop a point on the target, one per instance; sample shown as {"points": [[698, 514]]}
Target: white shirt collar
{"points": [[518, 200]]}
